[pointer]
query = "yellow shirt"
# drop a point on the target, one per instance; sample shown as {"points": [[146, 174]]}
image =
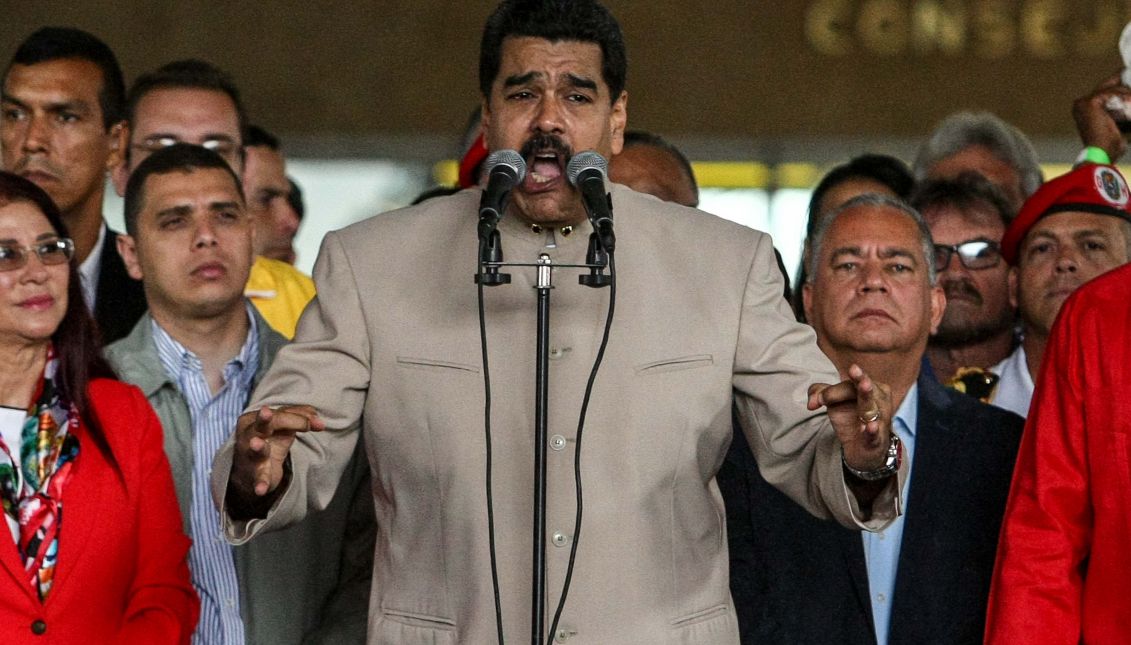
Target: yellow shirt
{"points": [[280, 292]]}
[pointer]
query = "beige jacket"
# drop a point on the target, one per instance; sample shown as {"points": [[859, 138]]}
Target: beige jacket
{"points": [[393, 338]]}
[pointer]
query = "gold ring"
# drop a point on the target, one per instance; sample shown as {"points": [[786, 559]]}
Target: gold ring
{"points": [[873, 417]]}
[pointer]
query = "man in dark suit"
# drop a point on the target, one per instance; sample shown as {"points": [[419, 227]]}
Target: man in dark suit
{"points": [[62, 128], [873, 300]]}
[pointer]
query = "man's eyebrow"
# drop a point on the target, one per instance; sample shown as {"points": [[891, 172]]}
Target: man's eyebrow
{"points": [[846, 250], [897, 252], [221, 206], [582, 82], [75, 105], [1089, 232], [180, 209], [520, 79]]}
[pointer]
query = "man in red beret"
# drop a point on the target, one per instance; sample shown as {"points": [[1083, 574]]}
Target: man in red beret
{"points": [[1064, 557], [1074, 228]]}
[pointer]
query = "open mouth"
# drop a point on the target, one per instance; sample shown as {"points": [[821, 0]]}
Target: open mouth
{"points": [[544, 169]]}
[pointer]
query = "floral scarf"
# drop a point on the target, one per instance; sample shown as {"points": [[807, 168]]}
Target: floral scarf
{"points": [[46, 457]]}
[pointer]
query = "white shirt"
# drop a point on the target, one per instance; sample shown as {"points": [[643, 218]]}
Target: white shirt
{"points": [[1015, 384], [11, 430], [88, 270]]}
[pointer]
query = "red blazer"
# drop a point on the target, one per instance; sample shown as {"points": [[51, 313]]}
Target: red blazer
{"points": [[123, 573], [1064, 559]]}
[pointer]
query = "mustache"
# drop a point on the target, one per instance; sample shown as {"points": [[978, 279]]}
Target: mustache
{"points": [[545, 142], [28, 164], [962, 289]]}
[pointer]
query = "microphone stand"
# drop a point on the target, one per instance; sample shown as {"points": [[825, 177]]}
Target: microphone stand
{"points": [[596, 263]]}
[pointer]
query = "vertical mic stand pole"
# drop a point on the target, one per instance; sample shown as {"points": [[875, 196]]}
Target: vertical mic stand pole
{"points": [[541, 403]]}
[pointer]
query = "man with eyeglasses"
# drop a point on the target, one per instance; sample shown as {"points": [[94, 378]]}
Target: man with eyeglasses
{"points": [[1073, 229], [61, 128], [967, 217], [193, 101]]}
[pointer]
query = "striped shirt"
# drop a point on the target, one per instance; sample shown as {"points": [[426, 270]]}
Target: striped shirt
{"points": [[213, 418]]}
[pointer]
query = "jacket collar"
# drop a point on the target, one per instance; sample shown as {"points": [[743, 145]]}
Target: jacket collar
{"points": [[137, 354]]}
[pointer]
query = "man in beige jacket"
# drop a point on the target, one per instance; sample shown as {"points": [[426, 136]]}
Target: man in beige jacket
{"points": [[393, 338]]}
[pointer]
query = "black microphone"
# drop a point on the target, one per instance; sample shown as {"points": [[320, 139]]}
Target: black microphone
{"points": [[505, 170], [587, 171]]}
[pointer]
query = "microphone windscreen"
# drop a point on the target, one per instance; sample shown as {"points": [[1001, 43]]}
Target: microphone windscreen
{"points": [[500, 159], [583, 161]]}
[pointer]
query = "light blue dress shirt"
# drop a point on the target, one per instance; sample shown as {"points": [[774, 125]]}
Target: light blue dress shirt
{"points": [[881, 550], [213, 417]]}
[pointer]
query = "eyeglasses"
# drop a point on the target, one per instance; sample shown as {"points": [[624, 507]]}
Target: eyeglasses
{"points": [[51, 252], [974, 255], [222, 147]]}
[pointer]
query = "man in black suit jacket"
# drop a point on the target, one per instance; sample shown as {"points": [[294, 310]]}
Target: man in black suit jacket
{"points": [[62, 128], [796, 579]]}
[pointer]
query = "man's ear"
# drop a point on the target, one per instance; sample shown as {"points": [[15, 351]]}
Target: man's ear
{"points": [[618, 121], [807, 301], [938, 308], [127, 248], [484, 118], [119, 159]]}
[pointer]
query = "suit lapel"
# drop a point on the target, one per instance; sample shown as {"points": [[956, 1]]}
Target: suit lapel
{"points": [[119, 299], [931, 474], [852, 547], [85, 502], [10, 561]]}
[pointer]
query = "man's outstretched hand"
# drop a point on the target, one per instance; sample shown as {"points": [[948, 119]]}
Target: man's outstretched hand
{"points": [[263, 441]]}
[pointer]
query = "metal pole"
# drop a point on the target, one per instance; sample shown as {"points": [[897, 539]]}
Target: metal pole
{"points": [[541, 403]]}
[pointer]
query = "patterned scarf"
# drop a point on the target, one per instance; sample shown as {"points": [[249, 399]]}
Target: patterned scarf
{"points": [[46, 457]]}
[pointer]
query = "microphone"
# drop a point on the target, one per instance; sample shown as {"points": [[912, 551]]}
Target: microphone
{"points": [[505, 169], [587, 171]]}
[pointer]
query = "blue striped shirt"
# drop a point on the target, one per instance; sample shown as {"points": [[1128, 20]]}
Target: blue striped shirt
{"points": [[213, 418]]}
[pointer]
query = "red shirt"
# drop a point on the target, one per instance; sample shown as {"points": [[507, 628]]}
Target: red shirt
{"points": [[1063, 572]]}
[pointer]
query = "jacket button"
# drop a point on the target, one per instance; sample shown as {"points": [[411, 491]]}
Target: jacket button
{"points": [[38, 627]]}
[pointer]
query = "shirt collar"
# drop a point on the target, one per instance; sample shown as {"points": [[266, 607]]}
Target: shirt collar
{"points": [[176, 358], [907, 416]]}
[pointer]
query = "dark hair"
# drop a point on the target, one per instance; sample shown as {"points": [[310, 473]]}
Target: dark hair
{"points": [[190, 73], [55, 43], [257, 136], [965, 192], [585, 21], [294, 199], [633, 138], [882, 169], [78, 344], [179, 157]]}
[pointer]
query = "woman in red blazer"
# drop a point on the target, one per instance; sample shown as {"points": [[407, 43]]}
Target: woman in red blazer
{"points": [[92, 549]]}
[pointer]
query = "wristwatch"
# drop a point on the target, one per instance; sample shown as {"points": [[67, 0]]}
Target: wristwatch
{"points": [[890, 467]]}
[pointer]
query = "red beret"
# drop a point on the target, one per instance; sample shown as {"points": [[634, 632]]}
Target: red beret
{"points": [[469, 165], [1089, 188]]}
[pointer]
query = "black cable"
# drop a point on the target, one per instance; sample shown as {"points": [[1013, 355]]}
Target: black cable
{"points": [[487, 433], [577, 447]]}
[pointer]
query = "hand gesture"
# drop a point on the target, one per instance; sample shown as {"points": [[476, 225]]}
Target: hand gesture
{"points": [[263, 440], [861, 412]]}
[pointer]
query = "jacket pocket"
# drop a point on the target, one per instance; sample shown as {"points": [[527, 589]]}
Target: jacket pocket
{"points": [[395, 627], [434, 364], [675, 364], [714, 625]]}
